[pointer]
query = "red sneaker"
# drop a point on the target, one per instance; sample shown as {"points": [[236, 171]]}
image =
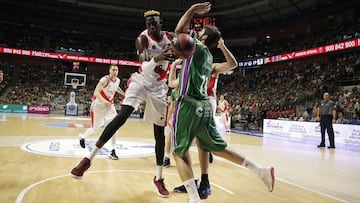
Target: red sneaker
{"points": [[79, 170], [160, 186]]}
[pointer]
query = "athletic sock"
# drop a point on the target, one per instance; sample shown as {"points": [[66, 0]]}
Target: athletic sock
{"points": [[93, 153], [191, 189], [158, 172], [205, 178], [113, 142], [251, 166]]}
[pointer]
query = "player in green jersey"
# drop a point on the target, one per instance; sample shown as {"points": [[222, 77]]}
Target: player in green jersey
{"points": [[193, 115]]}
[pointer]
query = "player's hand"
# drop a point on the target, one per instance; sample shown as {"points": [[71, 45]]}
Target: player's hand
{"points": [[201, 8], [165, 55], [178, 61], [221, 43], [107, 104]]}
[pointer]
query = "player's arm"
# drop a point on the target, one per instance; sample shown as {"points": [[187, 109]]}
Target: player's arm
{"points": [[184, 22], [173, 81], [148, 64], [230, 63], [120, 91], [227, 105], [318, 113]]}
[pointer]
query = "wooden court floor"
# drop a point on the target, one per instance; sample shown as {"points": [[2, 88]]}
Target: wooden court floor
{"points": [[303, 173]]}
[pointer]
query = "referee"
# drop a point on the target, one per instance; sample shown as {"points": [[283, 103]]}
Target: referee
{"points": [[327, 115]]}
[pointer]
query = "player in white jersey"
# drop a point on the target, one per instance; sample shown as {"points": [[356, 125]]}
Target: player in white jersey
{"points": [[148, 85], [102, 109], [224, 107]]}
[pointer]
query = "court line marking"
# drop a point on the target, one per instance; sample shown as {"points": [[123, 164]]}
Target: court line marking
{"points": [[193, 148], [283, 180], [315, 191], [22, 194]]}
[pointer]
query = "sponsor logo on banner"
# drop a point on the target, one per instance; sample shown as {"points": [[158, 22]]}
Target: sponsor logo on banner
{"points": [[39, 109], [297, 130], [71, 148], [273, 124], [13, 108]]}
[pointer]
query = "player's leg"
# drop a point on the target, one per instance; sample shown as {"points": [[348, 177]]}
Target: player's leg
{"points": [[184, 122], [167, 146], [225, 120], [212, 141], [133, 97], [204, 188], [158, 180], [110, 114], [266, 174], [227, 123], [183, 165], [96, 113], [155, 112], [108, 132]]}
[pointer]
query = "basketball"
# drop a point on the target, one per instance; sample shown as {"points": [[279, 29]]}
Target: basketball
{"points": [[183, 45]]}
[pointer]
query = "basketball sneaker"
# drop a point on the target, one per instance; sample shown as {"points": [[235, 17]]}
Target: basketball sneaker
{"points": [[113, 155], [160, 186], [182, 189], [204, 190], [166, 163], [268, 177], [80, 169], [82, 142]]}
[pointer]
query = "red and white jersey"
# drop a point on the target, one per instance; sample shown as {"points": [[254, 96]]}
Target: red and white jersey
{"points": [[223, 106], [159, 75], [109, 90], [211, 89]]}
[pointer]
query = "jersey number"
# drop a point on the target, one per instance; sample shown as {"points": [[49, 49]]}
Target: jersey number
{"points": [[203, 86]]}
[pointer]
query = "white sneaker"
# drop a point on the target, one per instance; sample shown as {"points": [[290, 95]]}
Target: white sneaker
{"points": [[268, 177]]}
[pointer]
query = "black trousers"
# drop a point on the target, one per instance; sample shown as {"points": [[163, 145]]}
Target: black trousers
{"points": [[326, 124]]}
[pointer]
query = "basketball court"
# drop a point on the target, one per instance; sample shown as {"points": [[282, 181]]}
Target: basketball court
{"points": [[38, 151]]}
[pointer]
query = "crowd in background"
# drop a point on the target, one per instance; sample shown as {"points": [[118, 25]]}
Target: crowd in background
{"points": [[42, 85], [291, 91], [286, 90]]}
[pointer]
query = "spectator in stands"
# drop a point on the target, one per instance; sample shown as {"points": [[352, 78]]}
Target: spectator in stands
{"points": [[306, 116], [341, 119], [355, 120], [338, 109]]}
